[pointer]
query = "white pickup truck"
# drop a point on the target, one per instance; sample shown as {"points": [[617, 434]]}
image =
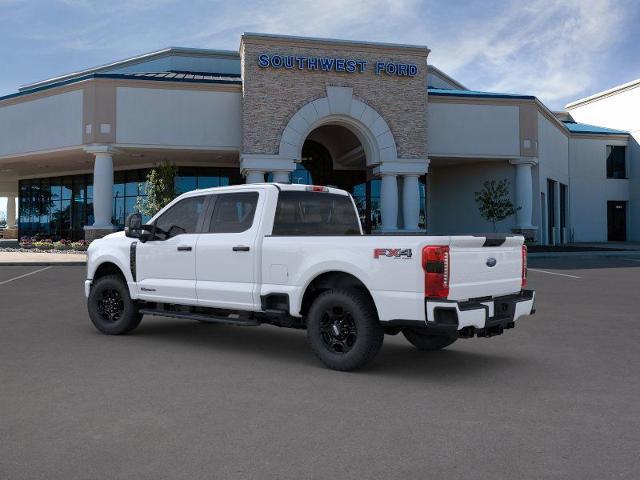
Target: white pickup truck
{"points": [[295, 256]]}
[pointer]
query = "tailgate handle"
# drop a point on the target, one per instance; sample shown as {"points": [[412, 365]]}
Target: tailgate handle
{"points": [[240, 248]]}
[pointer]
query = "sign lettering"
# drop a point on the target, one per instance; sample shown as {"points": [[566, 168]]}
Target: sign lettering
{"points": [[332, 64]]}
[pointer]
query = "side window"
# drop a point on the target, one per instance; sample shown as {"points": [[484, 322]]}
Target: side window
{"points": [[315, 213], [616, 167], [182, 217], [233, 212]]}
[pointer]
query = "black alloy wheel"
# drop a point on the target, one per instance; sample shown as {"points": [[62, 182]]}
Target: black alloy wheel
{"points": [[110, 306], [338, 329], [343, 329]]}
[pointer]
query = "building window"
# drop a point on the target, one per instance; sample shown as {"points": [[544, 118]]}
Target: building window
{"points": [[616, 161], [59, 207]]}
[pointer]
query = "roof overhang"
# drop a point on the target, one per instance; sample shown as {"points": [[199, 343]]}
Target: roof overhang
{"points": [[606, 93], [145, 57]]}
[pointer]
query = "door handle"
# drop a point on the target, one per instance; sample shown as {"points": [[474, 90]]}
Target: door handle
{"points": [[184, 248], [240, 248]]}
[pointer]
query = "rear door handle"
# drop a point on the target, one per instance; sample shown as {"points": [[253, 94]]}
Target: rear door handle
{"points": [[240, 248], [184, 248]]}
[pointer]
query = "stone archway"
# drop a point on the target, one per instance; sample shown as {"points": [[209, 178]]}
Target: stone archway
{"points": [[339, 107]]}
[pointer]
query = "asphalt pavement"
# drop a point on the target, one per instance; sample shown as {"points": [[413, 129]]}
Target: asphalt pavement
{"points": [[556, 397]]}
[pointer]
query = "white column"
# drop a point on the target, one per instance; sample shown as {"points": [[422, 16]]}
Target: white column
{"points": [[103, 190], [11, 212], [389, 202], [411, 202], [524, 193], [281, 177], [254, 176]]}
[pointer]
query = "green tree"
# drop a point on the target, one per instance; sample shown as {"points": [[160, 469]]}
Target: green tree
{"points": [[160, 189], [494, 201]]}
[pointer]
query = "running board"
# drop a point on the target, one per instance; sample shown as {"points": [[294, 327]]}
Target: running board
{"points": [[200, 317]]}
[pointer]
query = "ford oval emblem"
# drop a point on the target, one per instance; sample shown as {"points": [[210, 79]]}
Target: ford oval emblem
{"points": [[491, 262]]}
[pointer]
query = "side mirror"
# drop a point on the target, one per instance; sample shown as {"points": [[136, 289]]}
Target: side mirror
{"points": [[133, 225]]}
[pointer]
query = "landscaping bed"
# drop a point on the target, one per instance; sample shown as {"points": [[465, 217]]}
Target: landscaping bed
{"points": [[47, 245]]}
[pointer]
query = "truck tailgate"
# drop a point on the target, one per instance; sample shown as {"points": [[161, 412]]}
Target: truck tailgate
{"points": [[485, 266]]}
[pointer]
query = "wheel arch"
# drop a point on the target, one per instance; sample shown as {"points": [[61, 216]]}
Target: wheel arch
{"points": [[108, 267], [332, 279]]}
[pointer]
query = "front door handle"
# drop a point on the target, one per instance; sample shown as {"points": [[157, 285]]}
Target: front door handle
{"points": [[185, 248], [240, 248]]}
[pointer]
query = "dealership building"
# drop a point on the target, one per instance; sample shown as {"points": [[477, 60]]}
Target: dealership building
{"points": [[410, 143]]}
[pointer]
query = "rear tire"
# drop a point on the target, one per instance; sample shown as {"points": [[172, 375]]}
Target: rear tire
{"points": [[110, 307], [424, 341], [343, 329]]}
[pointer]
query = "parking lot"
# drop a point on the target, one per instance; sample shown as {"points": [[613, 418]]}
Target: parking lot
{"points": [[557, 397]]}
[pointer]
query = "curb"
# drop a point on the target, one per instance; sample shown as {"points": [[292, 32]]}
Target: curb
{"points": [[42, 264], [617, 253]]}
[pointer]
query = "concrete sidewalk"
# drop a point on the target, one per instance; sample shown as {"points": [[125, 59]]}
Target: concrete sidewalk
{"points": [[38, 259]]}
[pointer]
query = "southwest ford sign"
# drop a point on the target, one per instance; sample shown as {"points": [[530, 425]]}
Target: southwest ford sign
{"points": [[334, 64]]}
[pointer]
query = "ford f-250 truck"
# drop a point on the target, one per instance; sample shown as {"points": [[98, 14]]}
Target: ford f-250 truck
{"points": [[295, 256]]}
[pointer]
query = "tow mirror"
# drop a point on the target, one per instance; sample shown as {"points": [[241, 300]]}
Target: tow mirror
{"points": [[133, 225]]}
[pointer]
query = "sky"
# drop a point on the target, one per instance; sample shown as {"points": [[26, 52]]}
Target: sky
{"points": [[557, 50]]}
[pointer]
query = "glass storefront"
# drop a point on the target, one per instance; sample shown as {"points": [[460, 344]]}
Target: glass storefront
{"points": [[59, 207]]}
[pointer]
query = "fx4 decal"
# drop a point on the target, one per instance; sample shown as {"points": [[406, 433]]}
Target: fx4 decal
{"points": [[392, 252]]}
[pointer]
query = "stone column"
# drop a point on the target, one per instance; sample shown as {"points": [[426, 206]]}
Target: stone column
{"points": [[389, 202], [102, 192], [411, 202], [254, 176], [11, 212], [524, 192], [281, 177]]}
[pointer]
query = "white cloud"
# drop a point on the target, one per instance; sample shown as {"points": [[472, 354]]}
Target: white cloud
{"points": [[545, 48]]}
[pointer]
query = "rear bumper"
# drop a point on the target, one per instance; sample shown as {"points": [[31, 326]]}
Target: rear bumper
{"points": [[471, 318]]}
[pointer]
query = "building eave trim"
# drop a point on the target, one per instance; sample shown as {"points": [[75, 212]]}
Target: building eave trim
{"points": [[116, 76]]}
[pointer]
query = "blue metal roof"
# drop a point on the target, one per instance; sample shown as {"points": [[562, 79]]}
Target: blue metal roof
{"points": [[444, 92], [188, 77], [575, 127]]}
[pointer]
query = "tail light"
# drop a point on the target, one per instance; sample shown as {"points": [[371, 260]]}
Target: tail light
{"points": [[524, 266], [436, 265]]}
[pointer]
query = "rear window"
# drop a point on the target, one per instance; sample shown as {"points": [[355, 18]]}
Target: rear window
{"points": [[315, 213]]}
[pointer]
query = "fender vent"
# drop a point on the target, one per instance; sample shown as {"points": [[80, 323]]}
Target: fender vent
{"points": [[132, 260]]}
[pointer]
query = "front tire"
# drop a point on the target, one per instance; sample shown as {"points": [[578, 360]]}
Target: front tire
{"points": [[424, 341], [343, 329], [110, 307]]}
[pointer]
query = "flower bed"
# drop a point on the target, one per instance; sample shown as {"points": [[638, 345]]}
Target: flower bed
{"points": [[35, 244]]}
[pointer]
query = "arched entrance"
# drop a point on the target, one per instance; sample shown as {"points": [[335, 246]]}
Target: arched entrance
{"points": [[333, 155], [339, 140]]}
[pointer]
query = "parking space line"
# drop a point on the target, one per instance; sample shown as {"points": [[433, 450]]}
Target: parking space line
{"points": [[553, 273], [25, 275]]}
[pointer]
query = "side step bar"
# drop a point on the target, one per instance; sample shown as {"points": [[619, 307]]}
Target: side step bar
{"points": [[200, 317]]}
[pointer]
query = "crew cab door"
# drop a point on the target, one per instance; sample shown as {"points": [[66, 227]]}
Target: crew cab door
{"points": [[166, 269], [227, 251]]}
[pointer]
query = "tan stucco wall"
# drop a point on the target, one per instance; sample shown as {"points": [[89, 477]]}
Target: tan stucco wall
{"points": [[272, 96]]}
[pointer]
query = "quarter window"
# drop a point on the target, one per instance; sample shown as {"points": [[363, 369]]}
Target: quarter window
{"points": [[233, 212], [182, 217], [616, 167]]}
